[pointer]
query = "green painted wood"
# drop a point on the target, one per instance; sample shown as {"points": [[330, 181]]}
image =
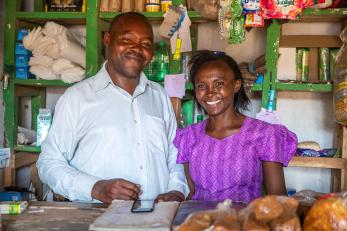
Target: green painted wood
{"points": [[315, 87], [257, 87], [37, 102], [8, 94], [335, 12], [39, 5], [271, 56], [24, 148], [193, 15], [50, 15], [93, 47], [41, 83]]}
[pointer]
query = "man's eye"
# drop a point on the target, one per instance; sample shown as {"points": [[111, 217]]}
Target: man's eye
{"points": [[200, 86], [126, 40], [147, 45], [218, 84]]}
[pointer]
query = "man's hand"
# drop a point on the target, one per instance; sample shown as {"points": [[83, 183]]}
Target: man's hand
{"points": [[170, 196], [108, 190]]}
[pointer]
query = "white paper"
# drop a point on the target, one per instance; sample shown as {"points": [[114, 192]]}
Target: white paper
{"points": [[286, 69], [269, 117]]}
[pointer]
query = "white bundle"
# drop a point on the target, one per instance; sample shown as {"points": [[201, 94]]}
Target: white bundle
{"points": [[78, 32], [73, 75], [60, 65], [41, 60], [29, 40], [52, 29], [43, 72]]}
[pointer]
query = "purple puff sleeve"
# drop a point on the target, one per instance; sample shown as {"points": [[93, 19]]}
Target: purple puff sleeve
{"points": [[279, 145], [183, 144]]}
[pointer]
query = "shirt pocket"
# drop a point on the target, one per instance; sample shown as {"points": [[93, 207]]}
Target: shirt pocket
{"points": [[156, 136]]}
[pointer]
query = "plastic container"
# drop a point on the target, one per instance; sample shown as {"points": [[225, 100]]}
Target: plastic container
{"points": [[165, 5], [324, 72], [159, 65], [152, 7]]}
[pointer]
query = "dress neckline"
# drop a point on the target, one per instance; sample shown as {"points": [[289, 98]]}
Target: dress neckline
{"points": [[227, 137]]}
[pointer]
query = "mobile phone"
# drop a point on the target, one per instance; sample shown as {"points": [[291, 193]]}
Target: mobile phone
{"points": [[142, 206]]}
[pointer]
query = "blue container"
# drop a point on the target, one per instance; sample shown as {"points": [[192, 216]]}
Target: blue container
{"points": [[20, 49], [22, 60], [23, 73], [13, 196], [21, 34]]}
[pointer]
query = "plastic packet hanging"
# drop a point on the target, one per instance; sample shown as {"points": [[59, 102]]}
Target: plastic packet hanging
{"points": [[224, 19], [284, 9], [328, 213], [340, 81], [236, 8], [254, 19], [237, 32], [271, 213], [307, 3], [250, 6]]}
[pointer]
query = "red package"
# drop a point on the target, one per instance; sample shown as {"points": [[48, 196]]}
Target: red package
{"points": [[307, 3], [284, 9], [255, 19]]}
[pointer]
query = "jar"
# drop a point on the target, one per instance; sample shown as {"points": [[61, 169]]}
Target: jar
{"points": [[152, 7], [153, 1], [165, 5]]}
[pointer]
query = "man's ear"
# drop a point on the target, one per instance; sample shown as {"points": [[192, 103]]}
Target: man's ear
{"points": [[107, 39], [237, 85]]}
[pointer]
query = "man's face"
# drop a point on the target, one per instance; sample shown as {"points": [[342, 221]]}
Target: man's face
{"points": [[130, 47]]}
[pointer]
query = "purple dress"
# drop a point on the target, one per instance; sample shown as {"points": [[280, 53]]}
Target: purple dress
{"points": [[232, 167]]}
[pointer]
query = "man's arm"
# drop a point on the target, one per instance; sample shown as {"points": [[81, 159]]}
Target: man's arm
{"points": [[58, 149], [177, 186]]}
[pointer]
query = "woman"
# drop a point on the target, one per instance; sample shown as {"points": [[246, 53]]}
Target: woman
{"points": [[230, 155]]}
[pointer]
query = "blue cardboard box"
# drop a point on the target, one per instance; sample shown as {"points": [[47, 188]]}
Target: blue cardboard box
{"points": [[22, 60], [23, 73], [21, 34], [12, 196], [20, 49]]}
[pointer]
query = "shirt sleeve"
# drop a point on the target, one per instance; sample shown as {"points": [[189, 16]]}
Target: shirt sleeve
{"points": [[58, 149], [279, 145], [181, 142], [177, 179]]}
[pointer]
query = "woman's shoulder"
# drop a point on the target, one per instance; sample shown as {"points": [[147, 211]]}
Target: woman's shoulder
{"points": [[192, 130], [263, 128]]}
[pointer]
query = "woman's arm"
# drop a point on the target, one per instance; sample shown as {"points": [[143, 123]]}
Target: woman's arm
{"points": [[190, 182], [274, 178]]}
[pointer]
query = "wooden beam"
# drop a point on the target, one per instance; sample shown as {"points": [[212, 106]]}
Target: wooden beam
{"points": [[25, 159], [318, 162], [310, 41]]}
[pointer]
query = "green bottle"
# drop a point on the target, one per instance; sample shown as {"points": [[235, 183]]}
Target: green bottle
{"points": [[162, 62]]}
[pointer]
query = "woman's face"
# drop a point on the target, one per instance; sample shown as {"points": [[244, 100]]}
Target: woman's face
{"points": [[215, 86]]}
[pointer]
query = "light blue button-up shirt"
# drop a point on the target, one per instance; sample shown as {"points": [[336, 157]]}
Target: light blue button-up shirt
{"points": [[100, 131]]}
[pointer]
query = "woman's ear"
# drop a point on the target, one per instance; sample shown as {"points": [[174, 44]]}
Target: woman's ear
{"points": [[237, 85]]}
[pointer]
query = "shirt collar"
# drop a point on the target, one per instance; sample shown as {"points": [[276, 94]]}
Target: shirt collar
{"points": [[103, 79]]}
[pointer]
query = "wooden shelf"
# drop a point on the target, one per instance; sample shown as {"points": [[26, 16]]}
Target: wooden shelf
{"points": [[193, 15], [318, 162], [60, 17], [314, 87], [41, 83], [323, 15]]}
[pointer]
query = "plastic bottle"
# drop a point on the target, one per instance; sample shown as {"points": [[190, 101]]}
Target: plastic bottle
{"points": [[161, 63], [271, 104]]}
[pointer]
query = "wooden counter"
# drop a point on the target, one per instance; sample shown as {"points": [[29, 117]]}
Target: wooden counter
{"points": [[54, 216]]}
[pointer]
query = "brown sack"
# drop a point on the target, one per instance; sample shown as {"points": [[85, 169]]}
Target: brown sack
{"points": [[140, 5], [128, 5], [115, 5], [104, 5]]}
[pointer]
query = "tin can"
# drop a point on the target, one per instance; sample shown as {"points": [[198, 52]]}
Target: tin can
{"points": [[152, 7], [305, 67], [299, 53], [165, 4], [324, 64]]}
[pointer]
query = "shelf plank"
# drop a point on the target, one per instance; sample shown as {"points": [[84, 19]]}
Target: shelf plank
{"points": [[27, 148], [23, 159], [66, 18], [41, 83], [193, 15], [331, 41], [318, 162], [257, 87], [315, 87], [323, 15], [50, 15]]}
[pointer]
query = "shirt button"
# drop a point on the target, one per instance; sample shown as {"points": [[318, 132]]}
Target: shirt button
{"points": [[141, 167]]}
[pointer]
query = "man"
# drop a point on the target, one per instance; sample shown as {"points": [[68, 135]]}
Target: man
{"points": [[111, 136]]}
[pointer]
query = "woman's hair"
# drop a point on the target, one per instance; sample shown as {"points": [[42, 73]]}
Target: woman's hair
{"points": [[241, 100]]}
